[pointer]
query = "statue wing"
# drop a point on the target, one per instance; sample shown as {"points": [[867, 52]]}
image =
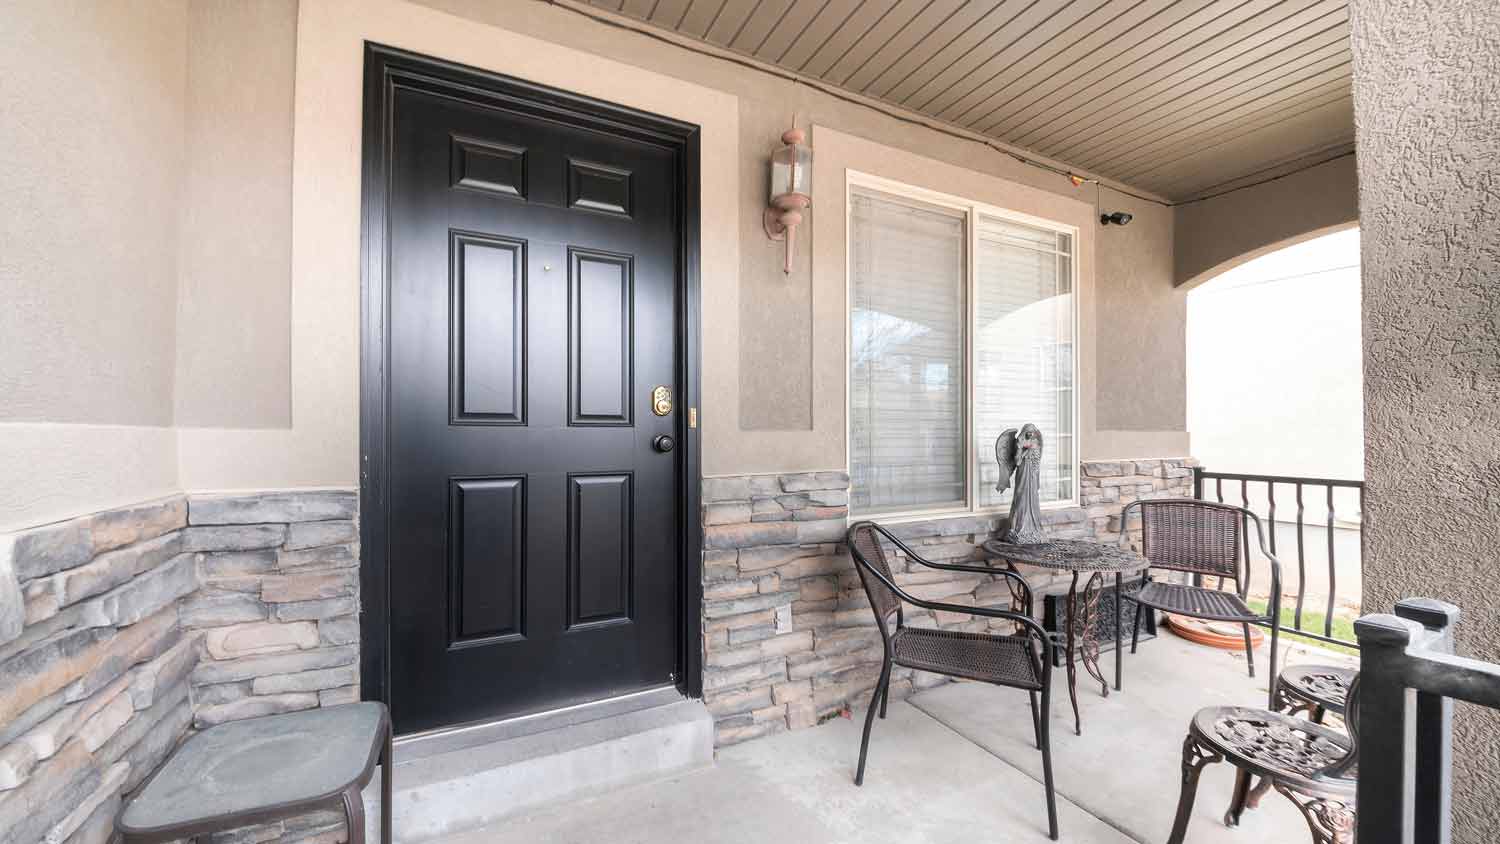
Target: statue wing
{"points": [[1005, 455]]}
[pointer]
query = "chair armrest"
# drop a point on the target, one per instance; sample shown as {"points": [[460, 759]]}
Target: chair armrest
{"points": [[1006, 573], [963, 567], [1273, 606], [1125, 521], [1026, 621]]}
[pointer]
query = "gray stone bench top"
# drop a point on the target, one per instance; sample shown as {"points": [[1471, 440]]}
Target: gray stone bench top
{"points": [[259, 768]]}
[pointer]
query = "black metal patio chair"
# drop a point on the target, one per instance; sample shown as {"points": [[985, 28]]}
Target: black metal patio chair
{"points": [[1204, 539], [1021, 660]]}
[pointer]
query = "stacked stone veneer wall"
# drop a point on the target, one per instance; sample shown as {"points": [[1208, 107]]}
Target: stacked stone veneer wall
{"points": [[122, 631], [788, 636]]}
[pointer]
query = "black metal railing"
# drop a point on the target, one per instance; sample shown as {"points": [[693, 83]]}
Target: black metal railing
{"points": [[1405, 740], [1258, 493]]}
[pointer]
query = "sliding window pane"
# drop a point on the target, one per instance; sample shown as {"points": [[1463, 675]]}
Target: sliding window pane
{"points": [[906, 378], [1023, 349]]}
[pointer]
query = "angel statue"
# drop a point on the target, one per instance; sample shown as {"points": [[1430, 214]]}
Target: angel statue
{"points": [[1022, 455]]}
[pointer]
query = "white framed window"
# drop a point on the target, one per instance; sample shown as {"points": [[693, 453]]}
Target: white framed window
{"points": [[962, 323]]}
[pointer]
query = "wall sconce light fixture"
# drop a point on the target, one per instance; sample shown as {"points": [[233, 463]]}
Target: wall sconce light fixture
{"points": [[1118, 218], [791, 190]]}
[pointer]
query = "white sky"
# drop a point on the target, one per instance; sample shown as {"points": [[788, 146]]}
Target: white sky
{"points": [[1274, 363]]}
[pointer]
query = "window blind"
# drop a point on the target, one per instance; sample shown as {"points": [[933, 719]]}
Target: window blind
{"points": [[907, 374], [1023, 349]]}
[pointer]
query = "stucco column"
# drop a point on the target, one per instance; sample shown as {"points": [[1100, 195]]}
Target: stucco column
{"points": [[1426, 99]]}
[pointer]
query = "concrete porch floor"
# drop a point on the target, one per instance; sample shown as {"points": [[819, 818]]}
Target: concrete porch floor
{"points": [[951, 764]]}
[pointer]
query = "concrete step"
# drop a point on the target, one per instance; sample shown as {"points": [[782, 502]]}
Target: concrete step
{"points": [[457, 780]]}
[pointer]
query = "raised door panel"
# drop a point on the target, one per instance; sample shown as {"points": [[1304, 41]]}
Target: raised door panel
{"points": [[599, 187], [600, 569], [600, 342], [486, 560], [488, 166], [488, 316]]}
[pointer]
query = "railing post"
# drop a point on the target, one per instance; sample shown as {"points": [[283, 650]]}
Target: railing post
{"points": [[1385, 811], [1198, 494], [1434, 728]]}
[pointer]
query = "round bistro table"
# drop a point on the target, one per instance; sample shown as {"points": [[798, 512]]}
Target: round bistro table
{"points": [[1096, 559]]}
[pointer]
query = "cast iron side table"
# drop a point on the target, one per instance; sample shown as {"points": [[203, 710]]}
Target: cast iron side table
{"points": [[266, 769], [1079, 556]]}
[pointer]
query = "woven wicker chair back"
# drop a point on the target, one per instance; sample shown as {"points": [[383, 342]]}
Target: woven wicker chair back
{"points": [[870, 553], [1192, 536]]}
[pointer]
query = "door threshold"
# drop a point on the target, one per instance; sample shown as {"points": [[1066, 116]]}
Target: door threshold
{"points": [[477, 733]]}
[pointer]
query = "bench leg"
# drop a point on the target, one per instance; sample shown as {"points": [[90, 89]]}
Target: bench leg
{"points": [[354, 812], [387, 762]]}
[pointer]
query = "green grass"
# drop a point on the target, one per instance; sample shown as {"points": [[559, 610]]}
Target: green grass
{"points": [[1312, 620]]}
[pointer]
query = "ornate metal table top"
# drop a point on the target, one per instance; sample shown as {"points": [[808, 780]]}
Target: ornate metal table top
{"points": [[1069, 555], [1321, 685], [1269, 743]]}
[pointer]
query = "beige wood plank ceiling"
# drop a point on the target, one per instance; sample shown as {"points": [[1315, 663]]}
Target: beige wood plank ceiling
{"points": [[1177, 97]]}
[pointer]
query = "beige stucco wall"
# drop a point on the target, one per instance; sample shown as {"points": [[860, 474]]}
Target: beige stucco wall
{"points": [[749, 306], [90, 147], [266, 360], [1425, 99], [1215, 235], [1142, 334], [92, 137], [776, 308], [233, 362]]}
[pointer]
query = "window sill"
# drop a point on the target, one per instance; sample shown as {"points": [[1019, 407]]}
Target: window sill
{"points": [[915, 516]]}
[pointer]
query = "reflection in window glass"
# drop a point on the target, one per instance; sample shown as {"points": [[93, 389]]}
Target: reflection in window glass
{"points": [[906, 371], [1023, 350]]}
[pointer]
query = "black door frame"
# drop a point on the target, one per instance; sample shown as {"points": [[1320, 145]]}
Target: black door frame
{"points": [[387, 69]]}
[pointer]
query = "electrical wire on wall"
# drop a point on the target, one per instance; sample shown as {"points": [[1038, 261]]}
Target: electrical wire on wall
{"points": [[1078, 179]]}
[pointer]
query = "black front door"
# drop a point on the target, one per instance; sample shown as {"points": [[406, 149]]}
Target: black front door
{"points": [[532, 514]]}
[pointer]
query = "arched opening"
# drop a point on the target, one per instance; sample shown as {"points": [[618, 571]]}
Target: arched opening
{"points": [[1275, 389]]}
